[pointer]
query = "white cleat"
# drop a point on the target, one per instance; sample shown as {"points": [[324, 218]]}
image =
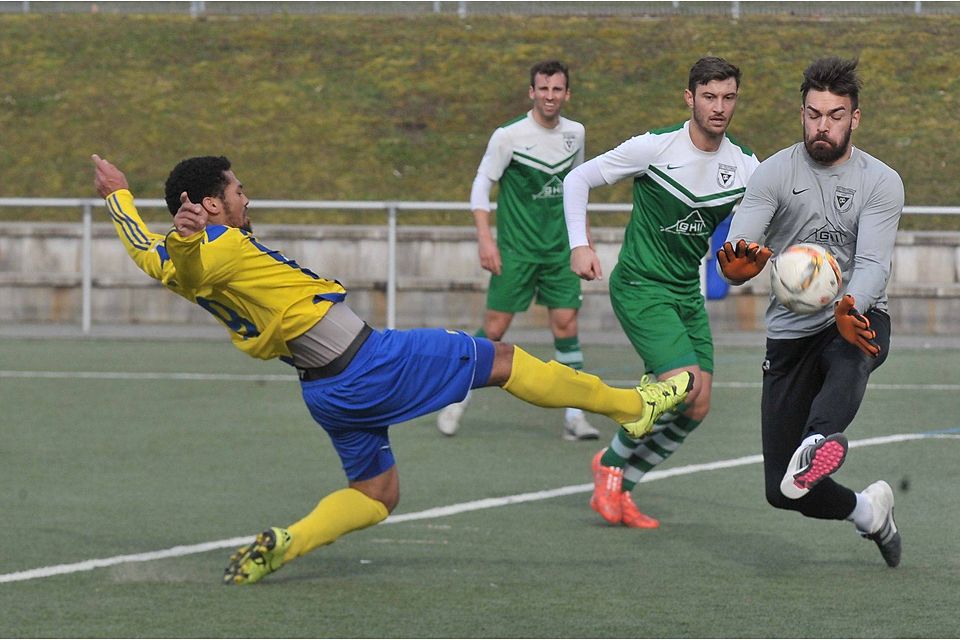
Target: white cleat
{"points": [[448, 420], [812, 463], [883, 529], [577, 428]]}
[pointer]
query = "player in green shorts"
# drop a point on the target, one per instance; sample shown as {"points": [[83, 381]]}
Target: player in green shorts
{"points": [[529, 260], [686, 180]]}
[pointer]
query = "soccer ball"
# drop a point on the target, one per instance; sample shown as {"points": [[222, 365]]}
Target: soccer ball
{"points": [[805, 278]]}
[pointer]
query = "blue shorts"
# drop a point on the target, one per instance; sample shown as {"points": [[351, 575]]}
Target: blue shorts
{"points": [[395, 376]]}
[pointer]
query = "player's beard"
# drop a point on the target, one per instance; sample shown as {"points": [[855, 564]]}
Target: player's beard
{"points": [[703, 123], [832, 152]]}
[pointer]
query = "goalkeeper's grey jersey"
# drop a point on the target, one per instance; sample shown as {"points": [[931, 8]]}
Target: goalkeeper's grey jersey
{"points": [[852, 209]]}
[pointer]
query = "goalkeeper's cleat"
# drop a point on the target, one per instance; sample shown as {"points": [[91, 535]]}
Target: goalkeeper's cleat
{"points": [[607, 487], [577, 428], [884, 529], [261, 557], [812, 463], [448, 420], [633, 517], [658, 397]]}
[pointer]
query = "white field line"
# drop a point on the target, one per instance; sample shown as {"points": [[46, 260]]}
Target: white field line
{"points": [[436, 512], [230, 377]]}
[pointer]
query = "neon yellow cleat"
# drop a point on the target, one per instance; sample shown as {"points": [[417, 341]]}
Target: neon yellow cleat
{"points": [[261, 557], [658, 397]]}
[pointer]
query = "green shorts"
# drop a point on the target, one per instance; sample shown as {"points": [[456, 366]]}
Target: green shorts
{"points": [[667, 331], [555, 286]]}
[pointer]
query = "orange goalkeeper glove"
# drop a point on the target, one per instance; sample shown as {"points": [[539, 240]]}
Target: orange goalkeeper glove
{"points": [[854, 327], [743, 262]]}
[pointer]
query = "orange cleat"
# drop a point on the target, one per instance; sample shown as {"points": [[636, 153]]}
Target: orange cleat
{"points": [[607, 485], [633, 517]]}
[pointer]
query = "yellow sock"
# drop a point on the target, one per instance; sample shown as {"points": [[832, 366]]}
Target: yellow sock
{"points": [[339, 513], [551, 384]]}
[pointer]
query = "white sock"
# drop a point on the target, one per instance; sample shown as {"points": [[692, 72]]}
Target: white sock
{"points": [[862, 514], [573, 413]]}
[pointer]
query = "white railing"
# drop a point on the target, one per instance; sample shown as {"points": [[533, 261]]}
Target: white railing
{"points": [[393, 209]]}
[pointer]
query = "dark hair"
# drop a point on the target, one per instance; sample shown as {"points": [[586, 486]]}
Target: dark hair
{"points": [[711, 68], [548, 68], [833, 74], [199, 177]]}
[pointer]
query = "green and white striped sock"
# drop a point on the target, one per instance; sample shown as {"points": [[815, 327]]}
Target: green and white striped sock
{"points": [[655, 448]]}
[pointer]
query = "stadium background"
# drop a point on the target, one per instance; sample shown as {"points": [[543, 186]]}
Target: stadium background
{"points": [[318, 101]]}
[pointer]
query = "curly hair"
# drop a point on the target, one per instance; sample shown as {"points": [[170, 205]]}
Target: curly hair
{"points": [[833, 74], [200, 177]]}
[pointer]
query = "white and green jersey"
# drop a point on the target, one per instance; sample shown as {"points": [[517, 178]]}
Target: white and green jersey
{"points": [[680, 195], [530, 163], [853, 209]]}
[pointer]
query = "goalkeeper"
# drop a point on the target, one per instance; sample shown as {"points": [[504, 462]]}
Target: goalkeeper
{"points": [[816, 368], [356, 381]]}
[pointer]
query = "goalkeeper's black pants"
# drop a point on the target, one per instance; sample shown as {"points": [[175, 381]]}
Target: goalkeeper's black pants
{"points": [[812, 385]]}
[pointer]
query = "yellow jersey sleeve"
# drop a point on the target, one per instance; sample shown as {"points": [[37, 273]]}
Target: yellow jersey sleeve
{"points": [[145, 247], [262, 297]]}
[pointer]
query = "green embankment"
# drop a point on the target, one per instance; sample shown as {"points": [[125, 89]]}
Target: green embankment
{"points": [[361, 108]]}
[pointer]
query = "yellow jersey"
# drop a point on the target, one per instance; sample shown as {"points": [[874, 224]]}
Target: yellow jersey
{"points": [[262, 297]]}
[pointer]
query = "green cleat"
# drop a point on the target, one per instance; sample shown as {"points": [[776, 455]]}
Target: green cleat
{"points": [[658, 397], [261, 557]]}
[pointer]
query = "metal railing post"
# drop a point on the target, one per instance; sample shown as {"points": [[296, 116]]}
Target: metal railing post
{"points": [[391, 266], [86, 267]]}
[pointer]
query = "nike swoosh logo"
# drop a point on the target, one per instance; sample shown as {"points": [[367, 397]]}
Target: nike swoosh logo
{"points": [[673, 166], [796, 193], [528, 147]]}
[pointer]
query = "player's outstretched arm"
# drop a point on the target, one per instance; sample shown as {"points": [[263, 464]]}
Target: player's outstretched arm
{"points": [[742, 262], [141, 243], [106, 177]]}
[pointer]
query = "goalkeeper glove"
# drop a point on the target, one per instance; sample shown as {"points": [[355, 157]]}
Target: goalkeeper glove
{"points": [[854, 327], [743, 262]]}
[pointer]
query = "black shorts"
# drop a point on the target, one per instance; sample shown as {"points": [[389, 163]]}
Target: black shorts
{"points": [[814, 385]]}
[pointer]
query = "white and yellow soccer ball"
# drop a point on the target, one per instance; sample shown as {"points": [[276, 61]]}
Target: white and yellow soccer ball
{"points": [[805, 278]]}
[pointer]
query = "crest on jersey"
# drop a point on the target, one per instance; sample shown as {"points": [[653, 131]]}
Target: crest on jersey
{"points": [[569, 141], [725, 175], [843, 199], [692, 225]]}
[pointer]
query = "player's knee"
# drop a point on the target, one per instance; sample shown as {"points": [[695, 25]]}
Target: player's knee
{"points": [[502, 364], [698, 410], [564, 326], [391, 501]]}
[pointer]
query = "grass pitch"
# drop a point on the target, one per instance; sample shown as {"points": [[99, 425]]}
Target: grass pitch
{"points": [[112, 448]]}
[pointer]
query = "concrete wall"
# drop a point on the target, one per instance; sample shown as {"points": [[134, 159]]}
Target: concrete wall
{"points": [[439, 280]]}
